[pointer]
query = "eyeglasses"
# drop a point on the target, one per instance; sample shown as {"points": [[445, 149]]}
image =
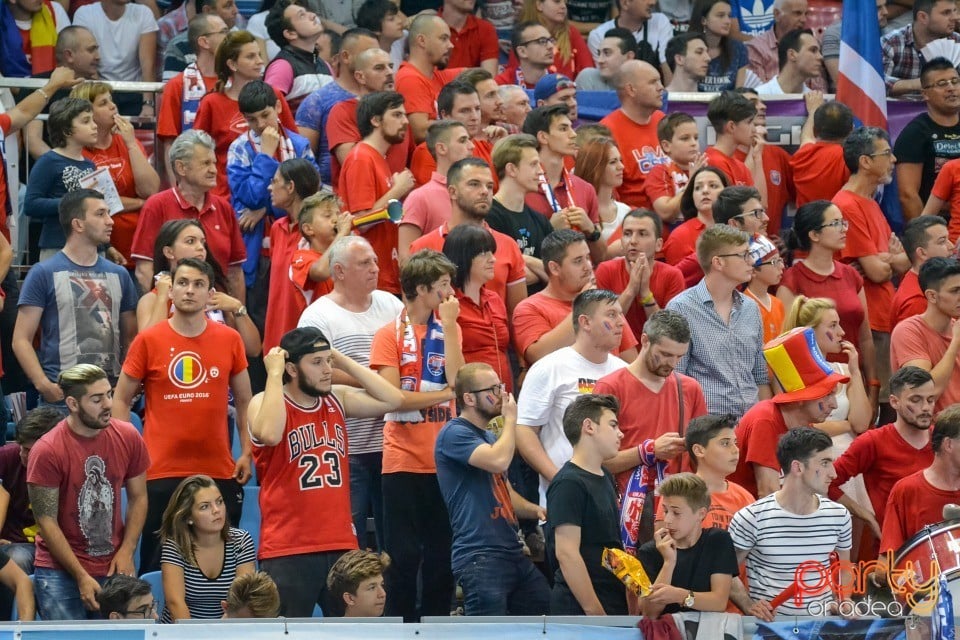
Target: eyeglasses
{"points": [[943, 84], [496, 390], [540, 41], [777, 262], [745, 256], [756, 213], [146, 611], [839, 223], [885, 152], [222, 32]]}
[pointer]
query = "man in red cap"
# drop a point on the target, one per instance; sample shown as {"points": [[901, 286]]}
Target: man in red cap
{"points": [[809, 385]]}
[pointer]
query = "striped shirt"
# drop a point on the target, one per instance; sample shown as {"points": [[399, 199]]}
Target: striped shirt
{"points": [[725, 358], [352, 334], [778, 541], [202, 594]]}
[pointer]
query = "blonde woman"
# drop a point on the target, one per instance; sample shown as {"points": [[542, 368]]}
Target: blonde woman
{"points": [[201, 553]]}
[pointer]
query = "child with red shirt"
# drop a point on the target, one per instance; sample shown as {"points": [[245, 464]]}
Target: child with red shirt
{"points": [[664, 186]]}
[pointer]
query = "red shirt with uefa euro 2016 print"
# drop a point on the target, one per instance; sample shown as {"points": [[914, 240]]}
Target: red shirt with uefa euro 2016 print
{"points": [[640, 147], [186, 383], [305, 483]]}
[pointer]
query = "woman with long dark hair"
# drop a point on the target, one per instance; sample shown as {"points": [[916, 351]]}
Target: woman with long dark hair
{"points": [[696, 205], [728, 56]]}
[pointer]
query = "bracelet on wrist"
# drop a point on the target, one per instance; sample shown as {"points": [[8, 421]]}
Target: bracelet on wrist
{"points": [[873, 383], [648, 300], [46, 96]]}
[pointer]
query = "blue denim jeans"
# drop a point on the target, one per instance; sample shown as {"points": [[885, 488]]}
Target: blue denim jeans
{"points": [[366, 494], [58, 597], [496, 585]]}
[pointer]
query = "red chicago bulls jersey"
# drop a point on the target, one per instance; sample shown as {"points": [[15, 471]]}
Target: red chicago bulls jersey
{"points": [[305, 483]]}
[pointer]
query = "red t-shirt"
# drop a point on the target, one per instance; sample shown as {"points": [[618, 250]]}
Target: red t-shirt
{"points": [[219, 115], [473, 44], [779, 178], [508, 269], [913, 504], [342, 129], [424, 166], [364, 179], [735, 170], [408, 446], [484, 332], [88, 472], [646, 414], [914, 339], [306, 474], [300, 263], [842, 286], [665, 282], [420, 92], [759, 431], [170, 115], [640, 151], [819, 171], [116, 158], [540, 313], [287, 298], [683, 241], [947, 188], [186, 383], [665, 181], [217, 218], [908, 300], [868, 235], [4, 229], [883, 457]]}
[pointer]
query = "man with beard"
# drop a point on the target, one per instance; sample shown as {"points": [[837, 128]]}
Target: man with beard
{"points": [[870, 242], [471, 190], [187, 366], [886, 454], [423, 74], [650, 394], [300, 444], [902, 60], [65, 475], [366, 182], [488, 559]]}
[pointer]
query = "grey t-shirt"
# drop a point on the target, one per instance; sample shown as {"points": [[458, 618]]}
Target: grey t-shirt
{"points": [[589, 80]]}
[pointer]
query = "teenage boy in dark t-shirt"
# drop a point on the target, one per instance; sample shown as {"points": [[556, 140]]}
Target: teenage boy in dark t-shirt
{"points": [[583, 514], [691, 567]]}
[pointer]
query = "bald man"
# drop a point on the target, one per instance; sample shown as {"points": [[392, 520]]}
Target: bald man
{"points": [[634, 127], [424, 73]]}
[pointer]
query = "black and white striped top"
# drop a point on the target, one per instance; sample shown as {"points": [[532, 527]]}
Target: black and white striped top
{"points": [[203, 594]]}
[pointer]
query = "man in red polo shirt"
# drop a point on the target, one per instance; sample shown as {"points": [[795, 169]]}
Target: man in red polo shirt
{"points": [[471, 195], [474, 39], [424, 73], [923, 238], [367, 184], [194, 165]]}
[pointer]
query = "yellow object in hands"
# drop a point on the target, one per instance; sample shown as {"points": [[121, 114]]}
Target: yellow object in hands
{"points": [[628, 570]]}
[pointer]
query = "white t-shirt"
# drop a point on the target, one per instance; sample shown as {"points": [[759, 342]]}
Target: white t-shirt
{"points": [[257, 25], [551, 385], [119, 41], [352, 334], [59, 16], [778, 541], [659, 33], [772, 88]]}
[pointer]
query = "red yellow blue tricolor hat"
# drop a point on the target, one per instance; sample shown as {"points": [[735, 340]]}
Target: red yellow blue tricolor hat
{"points": [[800, 367]]}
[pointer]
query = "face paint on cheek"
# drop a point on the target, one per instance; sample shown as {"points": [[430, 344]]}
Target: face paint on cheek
{"points": [[491, 399], [830, 336], [607, 326], [822, 407]]}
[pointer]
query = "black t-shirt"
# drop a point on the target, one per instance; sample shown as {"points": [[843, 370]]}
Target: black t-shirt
{"points": [[588, 10], [713, 553], [925, 142], [527, 227], [589, 501]]}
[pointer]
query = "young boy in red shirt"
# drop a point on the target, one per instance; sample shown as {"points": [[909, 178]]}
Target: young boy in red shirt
{"points": [[679, 139]]}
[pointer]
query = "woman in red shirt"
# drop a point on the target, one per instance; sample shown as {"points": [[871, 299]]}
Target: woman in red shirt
{"points": [[483, 315], [572, 54], [696, 205], [118, 149]]}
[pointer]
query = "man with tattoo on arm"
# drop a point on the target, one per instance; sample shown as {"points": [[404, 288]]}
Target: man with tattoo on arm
{"points": [[74, 476]]}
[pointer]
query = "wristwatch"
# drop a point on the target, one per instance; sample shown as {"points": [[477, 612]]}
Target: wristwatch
{"points": [[242, 311], [688, 601], [594, 235]]}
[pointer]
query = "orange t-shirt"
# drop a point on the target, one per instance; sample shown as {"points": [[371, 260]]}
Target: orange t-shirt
{"points": [[408, 446], [186, 382], [116, 158], [771, 318], [420, 92], [819, 171], [868, 235], [947, 188], [640, 149], [364, 179], [735, 170]]}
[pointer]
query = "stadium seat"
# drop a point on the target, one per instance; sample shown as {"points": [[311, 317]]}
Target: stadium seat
{"points": [[317, 611], [137, 422], [156, 585], [250, 519]]}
